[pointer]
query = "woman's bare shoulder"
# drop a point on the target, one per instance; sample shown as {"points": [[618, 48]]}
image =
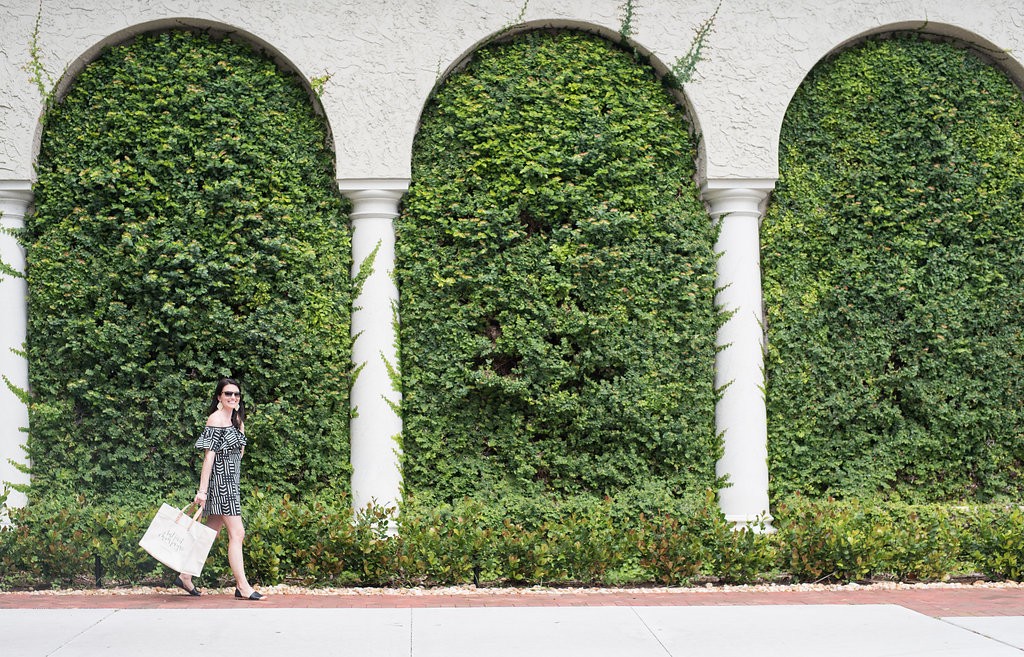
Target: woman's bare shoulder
{"points": [[213, 421]]}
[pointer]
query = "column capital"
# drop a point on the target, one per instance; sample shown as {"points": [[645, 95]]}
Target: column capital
{"points": [[374, 198], [347, 185], [15, 198], [728, 195]]}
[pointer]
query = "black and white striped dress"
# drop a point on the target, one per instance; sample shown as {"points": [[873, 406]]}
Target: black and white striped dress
{"points": [[223, 497]]}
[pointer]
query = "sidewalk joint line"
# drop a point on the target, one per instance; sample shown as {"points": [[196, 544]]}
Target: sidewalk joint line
{"points": [[657, 638], [974, 631], [110, 613]]}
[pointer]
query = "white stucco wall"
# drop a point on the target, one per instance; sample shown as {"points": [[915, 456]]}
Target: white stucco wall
{"points": [[386, 56]]}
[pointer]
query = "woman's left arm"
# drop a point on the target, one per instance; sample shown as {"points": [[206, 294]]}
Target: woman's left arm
{"points": [[204, 478]]}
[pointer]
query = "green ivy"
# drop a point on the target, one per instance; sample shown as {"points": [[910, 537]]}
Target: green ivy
{"points": [[893, 262], [557, 279], [187, 227]]}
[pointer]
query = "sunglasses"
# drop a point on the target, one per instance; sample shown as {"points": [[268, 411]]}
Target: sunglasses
{"points": [[232, 394]]}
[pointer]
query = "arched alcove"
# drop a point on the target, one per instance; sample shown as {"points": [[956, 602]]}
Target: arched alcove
{"points": [[892, 262], [938, 32], [557, 279], [643, 54], [180, 23], [187, 227]]}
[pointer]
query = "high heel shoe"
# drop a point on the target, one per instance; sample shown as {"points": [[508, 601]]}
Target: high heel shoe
{"points": [[181, 585], [255, 595]]}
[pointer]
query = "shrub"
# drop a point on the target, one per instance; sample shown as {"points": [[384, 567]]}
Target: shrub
{"points": [[589, 547], [669, 550], [316, 541], [446, 544], [852, 540], [64, 541], [923, 542], [997, 542], [743, 556], [829, 540]]}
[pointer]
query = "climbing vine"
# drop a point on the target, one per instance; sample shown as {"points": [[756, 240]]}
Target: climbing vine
{"points": [[186, 227], [557, 280], [893, 263]]}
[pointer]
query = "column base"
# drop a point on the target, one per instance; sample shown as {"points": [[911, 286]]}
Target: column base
{"points": [[757, 524]]}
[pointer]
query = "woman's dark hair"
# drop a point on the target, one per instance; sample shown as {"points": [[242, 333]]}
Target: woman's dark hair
{"points": [[237, 415]]}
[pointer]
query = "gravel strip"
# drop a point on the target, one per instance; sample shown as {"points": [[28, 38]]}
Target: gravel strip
{"points": [[286, 589]]}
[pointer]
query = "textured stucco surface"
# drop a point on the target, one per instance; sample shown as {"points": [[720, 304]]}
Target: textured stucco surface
{"points": [[386, 56]]}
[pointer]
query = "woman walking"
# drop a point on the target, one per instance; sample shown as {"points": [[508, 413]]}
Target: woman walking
{"points": [[223, 440]]}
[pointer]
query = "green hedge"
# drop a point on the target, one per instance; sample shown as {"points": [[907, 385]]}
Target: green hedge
{"points": [[187, 227], [651, 536], [893, 256], [557, 280]]}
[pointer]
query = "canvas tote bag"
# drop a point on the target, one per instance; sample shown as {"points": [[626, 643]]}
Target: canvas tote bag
{"points": [[179, 541]]}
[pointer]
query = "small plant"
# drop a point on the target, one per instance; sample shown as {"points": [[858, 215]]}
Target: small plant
{"points": [[682, 70], [923, 542], [443, 545], [319, 82], [743, 556], [669, 552], [38, 74], [626, 30]]}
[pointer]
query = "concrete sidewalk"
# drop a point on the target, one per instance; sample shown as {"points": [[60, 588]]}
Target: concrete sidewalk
{"points": [[832, 622], [633, 631]]}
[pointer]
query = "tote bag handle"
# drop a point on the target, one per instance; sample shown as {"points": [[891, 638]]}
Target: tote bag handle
{"points": [[195, 516]]}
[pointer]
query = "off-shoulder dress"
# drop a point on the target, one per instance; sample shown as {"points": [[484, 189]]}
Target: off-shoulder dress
{"points": [[223, 497]]}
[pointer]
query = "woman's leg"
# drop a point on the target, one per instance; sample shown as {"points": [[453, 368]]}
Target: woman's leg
{"points": [[236, 534], [215, 522]]}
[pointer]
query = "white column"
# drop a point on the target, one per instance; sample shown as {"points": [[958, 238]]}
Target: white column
{"points": [[376, 427], [15, 198], [740, 414]]}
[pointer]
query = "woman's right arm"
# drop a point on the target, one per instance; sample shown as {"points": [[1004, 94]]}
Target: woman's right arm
{"points": [[204, 478]]}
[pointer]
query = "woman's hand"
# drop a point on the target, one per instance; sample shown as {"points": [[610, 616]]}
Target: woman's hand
{"points": [[200, 499]]}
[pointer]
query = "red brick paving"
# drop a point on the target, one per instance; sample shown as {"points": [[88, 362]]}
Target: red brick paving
{"points": [[935, 602]]}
